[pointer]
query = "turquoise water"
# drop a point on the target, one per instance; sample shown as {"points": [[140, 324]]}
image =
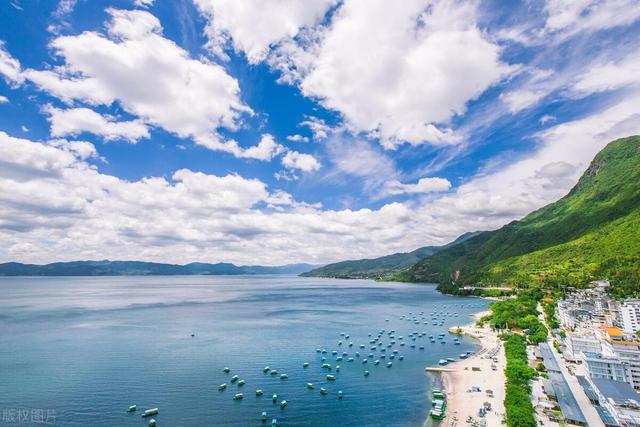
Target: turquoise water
{"points": [[84, 349]]}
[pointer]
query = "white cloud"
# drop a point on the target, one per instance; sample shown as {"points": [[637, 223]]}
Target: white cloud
{"points": [[546, 118], [253, 26], [610, 75], [301, 161], [520, 99], [297, 138], [424, 185], [569, 17], [74, 121], [10, 67], [317, 126], [150, 76], [24, 128], [3, 99], [143, 3], [402, 70], [266, 149]]}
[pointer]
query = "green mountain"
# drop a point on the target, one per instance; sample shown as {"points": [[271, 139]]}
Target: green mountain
{"points": [[377, 267], [141, 268], [593, 232]]}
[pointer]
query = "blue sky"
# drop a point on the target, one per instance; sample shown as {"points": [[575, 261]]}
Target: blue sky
{"points": [[298, 131]]}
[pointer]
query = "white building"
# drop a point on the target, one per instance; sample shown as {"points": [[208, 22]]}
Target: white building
{"points": [[581, 343], [630, 316]]}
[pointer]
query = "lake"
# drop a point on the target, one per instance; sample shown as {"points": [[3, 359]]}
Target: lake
{"points": [[80, 350]]}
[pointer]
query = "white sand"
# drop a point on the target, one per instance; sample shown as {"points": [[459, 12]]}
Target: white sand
{"points": [[462, 403]]}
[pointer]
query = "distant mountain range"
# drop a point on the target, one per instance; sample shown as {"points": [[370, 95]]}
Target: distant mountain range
{"points": [[375, 268], [591, 233], [140, 268]]}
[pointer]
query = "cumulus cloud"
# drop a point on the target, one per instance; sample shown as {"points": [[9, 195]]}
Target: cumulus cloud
{"points": [[397, 72], [301, 161], [75, 121], [253, 26], [3, 99], [149, 76], [424, 185], [297, 138], [266, 149]]}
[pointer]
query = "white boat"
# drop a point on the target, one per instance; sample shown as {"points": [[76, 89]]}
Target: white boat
{"points": [[266, 369], [226, 370], [220, 387], [310, 386], [133, 408], [149, 412], [339, 394], [241, 383], [283, 404], [366, 373], [152, 422], [259, 392], [274, 398], [284, 376], [390, 364], [331, 377], [234, 379], [305, 365], [264, 417], [238, 396]]}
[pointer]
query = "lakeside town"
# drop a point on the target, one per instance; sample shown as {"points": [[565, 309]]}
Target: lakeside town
{"points": [[587, 369], [592, 360]]}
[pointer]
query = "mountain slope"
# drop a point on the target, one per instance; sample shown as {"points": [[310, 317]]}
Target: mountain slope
{"points": [[140, 268], [375, 267], [590, 233]]}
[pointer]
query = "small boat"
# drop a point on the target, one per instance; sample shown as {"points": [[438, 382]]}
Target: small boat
{"points": [[132, 408], [421, 347], [401, 357], [442, 362], [310, 386], [227, 370], [241, 383], [377, 362], [274, 423], [220, 387], [283, 404], [284, 376], [463, 356], [234, 379], [350, 359], [339, 394], [274, 372], [266, 369], [364, 361], [337, 368], [390, 364], [274, 398], [323, 391], [326, 366], [152, 421], [331, 377], [238, 396], [149, 412], [263, 417], [259, 392], [450, 359], [366, 373], [334, 352], [305, 365]]}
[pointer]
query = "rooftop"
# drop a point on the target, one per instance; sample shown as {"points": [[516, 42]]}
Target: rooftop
{"points": [[617, 391]]}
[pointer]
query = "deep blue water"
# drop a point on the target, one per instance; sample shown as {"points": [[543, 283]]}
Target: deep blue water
{"points": [[85, 349]]}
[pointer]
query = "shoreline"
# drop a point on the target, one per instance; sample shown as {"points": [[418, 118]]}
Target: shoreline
{"points": [[475, 371]]}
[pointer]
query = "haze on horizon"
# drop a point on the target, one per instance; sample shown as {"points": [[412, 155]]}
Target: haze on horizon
{"points": [[298, 131]]}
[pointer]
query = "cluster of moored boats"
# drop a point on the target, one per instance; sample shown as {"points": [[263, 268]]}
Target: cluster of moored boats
{"points": [[383, 346]]}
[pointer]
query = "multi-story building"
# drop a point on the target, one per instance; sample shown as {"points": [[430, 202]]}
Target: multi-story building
{"points": [[630, 316], [579, 343], [626, 349], [601, 366]]}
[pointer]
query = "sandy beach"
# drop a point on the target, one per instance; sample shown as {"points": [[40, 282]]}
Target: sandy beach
{"points": [[460, 378]]}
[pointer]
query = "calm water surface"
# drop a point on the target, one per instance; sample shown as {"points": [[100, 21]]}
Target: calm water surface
{"points": [[86, 348]]}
